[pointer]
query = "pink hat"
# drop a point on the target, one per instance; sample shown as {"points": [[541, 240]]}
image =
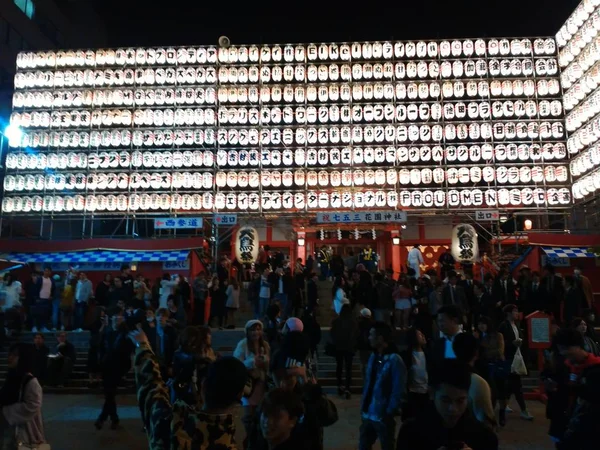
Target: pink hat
{"points": [[294, 324]]}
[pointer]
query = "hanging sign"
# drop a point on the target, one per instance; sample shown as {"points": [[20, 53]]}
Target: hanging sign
{"points": [[246, 245], [465, 247], [225, 219], [181, 223], [176, 265], [487, 215], [363, 217]]}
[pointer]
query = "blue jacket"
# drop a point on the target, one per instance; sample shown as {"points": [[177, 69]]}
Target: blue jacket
{"points": [[389, 388]]}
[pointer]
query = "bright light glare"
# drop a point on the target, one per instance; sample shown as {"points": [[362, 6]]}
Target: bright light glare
{"points": [[14, 134]]}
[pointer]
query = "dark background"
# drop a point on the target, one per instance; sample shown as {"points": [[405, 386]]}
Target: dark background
{"points": [[173, 22]]}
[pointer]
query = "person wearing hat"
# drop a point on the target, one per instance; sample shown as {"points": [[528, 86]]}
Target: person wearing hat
{"points": [[254, 352], [210, 426]]}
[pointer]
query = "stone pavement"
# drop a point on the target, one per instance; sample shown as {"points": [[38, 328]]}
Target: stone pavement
{"points": [[69, 423]]}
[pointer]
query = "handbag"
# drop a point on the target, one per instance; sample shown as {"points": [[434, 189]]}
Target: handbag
{"points": [[518, 364], [23, 445]]}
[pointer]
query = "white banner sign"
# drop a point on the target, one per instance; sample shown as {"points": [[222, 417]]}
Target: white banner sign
{"points": [[556, 261], [485, 216], [362, 217], [107, 266], [176, 265], [225, 219], [175, 223]]}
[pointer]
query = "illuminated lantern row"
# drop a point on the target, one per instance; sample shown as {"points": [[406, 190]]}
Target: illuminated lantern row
{"points": [[300, 115], [586, 185], [302, 118], [288, 53], [579, 29], [117, 97], [386, 71], [300, 136], [288, 74], [585, 161], [579, 57], [300, 178], [289, 200], [300, 157], [287, 94]]}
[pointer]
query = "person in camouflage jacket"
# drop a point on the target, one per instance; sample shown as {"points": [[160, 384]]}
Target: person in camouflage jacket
{"points": [[180, 426]]}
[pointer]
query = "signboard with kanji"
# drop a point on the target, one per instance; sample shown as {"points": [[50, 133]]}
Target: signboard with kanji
{"points": [[487, 215], [362, 217], [177, 223], [225, 219]]}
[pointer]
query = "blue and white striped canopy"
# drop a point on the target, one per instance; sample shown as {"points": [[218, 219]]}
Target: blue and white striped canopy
{"points": [[568, 252], [94, 256]]}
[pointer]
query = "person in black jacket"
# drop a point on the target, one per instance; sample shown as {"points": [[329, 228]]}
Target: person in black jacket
{"points": [[365, 323], [513, 340], [344, 335], [312, 291], [312, 330], [575, 300], [96, 329], [483, 303], [582, 430], [62, 361], [163, 340], [449, 319], [115, 361], [447, 424], [102, 289], [557, 388], [552, 292], [40, 359]]}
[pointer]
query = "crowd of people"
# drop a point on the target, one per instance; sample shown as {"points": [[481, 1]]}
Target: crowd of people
{"points": [[440, 353]]}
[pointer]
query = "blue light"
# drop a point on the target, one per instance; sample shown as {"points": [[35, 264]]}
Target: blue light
{"points": [[14, 134]]}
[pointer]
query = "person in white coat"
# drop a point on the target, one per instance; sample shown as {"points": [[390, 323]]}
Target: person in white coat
{"points": [[414, 260], [21, 402], [339, 295]]}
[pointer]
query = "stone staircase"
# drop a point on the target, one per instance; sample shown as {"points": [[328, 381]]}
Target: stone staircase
{"points": [[224, 342]]}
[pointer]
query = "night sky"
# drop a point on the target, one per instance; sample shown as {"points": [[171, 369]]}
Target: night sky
{"points": [[193, 22]]}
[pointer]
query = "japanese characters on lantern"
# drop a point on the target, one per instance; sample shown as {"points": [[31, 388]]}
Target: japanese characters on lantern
{"points": [[306, 127]]}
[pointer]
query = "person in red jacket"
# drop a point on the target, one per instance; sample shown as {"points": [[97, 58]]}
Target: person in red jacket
{"points": [[570, 345]]}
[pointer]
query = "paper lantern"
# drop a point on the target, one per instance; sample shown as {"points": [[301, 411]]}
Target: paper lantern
{"points": [[464, 247], [246, 245]]}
